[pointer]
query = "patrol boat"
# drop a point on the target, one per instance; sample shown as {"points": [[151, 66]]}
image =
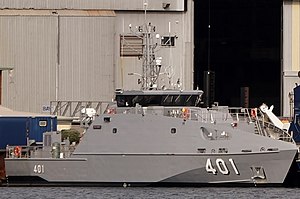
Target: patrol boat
{"points": [[158, 137]]}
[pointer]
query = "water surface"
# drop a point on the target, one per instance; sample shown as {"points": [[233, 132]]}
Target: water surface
{"points": [[148, 193]]}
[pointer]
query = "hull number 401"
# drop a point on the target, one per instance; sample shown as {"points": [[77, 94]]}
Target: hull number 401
{"points": [[220, 165], [39, 168]]}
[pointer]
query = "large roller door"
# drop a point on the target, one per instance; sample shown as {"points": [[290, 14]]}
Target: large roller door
{"points": [[245, 49]]}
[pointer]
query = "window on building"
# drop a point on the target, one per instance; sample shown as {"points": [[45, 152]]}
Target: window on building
{"points": [[131, 45], [168, 41]]}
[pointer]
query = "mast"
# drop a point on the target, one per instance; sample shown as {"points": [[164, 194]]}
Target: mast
{"points": [[151, 66]]}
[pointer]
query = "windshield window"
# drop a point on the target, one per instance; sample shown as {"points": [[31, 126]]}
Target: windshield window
{"points": [[156, 100]]}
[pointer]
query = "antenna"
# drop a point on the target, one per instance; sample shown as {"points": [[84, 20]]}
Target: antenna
{"points": [[209, 76], [145, 9], [151, 67]]}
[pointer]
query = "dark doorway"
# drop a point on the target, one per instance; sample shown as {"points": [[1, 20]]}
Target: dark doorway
{"points": [[245, 38]]}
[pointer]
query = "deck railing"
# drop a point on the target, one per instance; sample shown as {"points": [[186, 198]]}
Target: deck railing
{"points": [[215, 115]]}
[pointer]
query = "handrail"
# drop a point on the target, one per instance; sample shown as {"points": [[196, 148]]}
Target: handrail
{"points": [[29, 151]]}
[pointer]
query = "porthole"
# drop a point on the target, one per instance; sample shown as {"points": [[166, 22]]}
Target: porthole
{"points": [[106, 119], [202, 150], [173, 130], [96, 126], [262, 149]]}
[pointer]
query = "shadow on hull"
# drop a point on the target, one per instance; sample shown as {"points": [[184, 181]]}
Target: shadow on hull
{"points": [[34, 181]]}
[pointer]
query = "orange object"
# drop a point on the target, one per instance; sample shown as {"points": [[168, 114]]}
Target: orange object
{"points": [[185, 113], [17, 151]]}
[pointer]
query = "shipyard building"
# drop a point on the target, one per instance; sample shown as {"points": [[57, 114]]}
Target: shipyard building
{"points": [[82, 50]]}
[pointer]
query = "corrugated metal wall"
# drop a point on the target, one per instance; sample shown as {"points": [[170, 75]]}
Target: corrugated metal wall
{"points": [[25, 40], [87, 58], [74, 54], [178, 59], [291, 51], [175, 5], [34, 45]]}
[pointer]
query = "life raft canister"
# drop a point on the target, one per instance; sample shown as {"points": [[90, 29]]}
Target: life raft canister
{"points": [[17, 151]]}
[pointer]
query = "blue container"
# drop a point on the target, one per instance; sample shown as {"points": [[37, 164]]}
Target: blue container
{"points": [[17, 130], [39, 125]]}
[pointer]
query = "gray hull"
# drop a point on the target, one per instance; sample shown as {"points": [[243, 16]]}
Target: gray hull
{"points": [[252, 168]]}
